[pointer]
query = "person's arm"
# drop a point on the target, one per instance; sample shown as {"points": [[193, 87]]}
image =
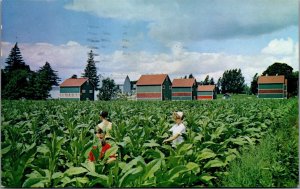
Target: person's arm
{"points": [[172, 138], [111, 160]]}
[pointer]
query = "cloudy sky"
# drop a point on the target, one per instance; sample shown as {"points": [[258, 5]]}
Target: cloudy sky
{"points": [[134, 37]]}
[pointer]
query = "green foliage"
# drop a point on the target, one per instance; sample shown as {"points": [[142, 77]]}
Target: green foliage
{"points": [[254, 84], [46, 144], [90, 70], [19, 82], [108, 90], [232, 81]]}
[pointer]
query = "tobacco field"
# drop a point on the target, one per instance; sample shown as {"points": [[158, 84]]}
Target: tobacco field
{"points": [[46, 143]]}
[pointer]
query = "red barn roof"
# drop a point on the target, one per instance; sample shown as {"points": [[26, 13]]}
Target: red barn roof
{"points": [[271, 79], [155, 79], [73, 82], [206, 87], [183, 82]]}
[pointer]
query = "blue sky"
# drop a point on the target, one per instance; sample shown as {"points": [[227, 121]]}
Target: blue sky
{"points": [[134, 37]]}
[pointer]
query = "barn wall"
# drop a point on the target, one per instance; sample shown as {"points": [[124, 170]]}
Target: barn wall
{"points": [[182, 93], [87, 95], [271, 90], [203, 95], [69, 93], [149, 92]]}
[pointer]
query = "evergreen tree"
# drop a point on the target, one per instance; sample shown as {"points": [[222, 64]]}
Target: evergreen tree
{"points": [[15, 60], [206, 80], [212, 82], [42, 82], [91, 71], [15, 76], [218, 86], [108, 90], [191, 76], [254, 84]]}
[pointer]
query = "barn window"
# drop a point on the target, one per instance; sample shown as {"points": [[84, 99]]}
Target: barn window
{"points": [[163, 87], [83, 91], [170, 87], [91, 91]]}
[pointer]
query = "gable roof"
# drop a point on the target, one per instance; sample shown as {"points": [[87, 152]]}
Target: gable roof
{"points": [[183, 82], [271, 79], [206, 87], [154, 79], [73, 82]]}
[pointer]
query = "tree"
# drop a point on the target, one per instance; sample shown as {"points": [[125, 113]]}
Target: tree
{"points": [[280, 69], [254, 84], [15, 60], [283, 69], [206, 80], [191, 76], [212, 82], [15, 76], [42, 82], [232, 81], [91, 71], [74, 76], [218, 86], [108, 90]]}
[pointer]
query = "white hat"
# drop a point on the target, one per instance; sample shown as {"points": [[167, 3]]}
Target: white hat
{"points": [[180, 114]]}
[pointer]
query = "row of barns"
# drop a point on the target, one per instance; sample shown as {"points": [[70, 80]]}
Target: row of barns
{"points": [[160, 87]]}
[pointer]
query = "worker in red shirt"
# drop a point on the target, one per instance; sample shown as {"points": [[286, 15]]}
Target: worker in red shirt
{"points": [[100, 134]]}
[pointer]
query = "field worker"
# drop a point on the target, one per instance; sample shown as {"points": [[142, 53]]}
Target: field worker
{"points": [[105, 125], [177, 130], [100, 134]]}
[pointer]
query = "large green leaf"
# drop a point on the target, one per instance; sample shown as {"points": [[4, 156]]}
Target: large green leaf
{"points": [[206, 154], [151, 168], [129, 165], [191, 166], [75, 171], [206, 177], [176, 171], [30, 182], [214, 163], [111, 151], [90, 166], [151, 143], [130, 175]]}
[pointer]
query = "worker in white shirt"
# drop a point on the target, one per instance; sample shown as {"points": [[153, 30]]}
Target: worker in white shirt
{"points": [[177, 130]]}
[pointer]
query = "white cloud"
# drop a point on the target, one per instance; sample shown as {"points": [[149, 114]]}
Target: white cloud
{"points": [[279, 47], [70, 58], [189, 20]]}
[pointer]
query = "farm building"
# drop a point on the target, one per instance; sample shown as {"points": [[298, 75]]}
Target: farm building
{"points": [[129, 86], [184, 89], [206, 92], [272, 87], [154, 87], [77, 89]]}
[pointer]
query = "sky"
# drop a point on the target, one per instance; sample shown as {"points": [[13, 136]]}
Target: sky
{"points": [[135, 37]]}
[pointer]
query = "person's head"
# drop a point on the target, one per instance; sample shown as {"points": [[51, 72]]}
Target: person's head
{"points": [[178, 116], [103, 115], [100, 135]]}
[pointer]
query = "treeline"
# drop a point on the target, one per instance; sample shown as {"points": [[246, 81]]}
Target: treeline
{"points": [[232, 81], [18, 81]]}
